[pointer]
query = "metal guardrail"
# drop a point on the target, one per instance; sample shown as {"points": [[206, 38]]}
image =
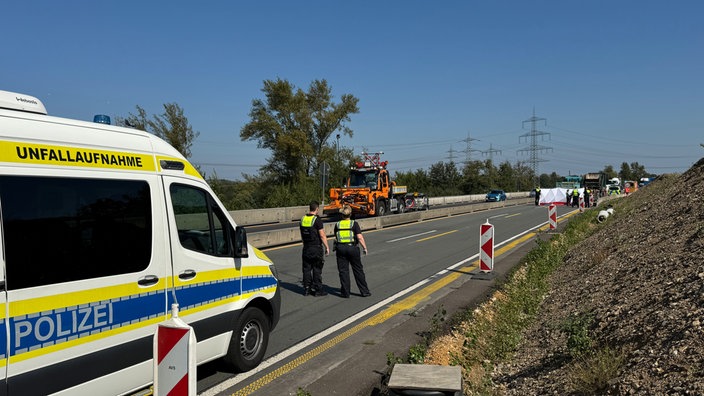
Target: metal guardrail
{"points": [[292, 235]]}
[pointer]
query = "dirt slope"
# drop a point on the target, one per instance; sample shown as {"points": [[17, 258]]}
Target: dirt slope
{"points": [[641, 278]]}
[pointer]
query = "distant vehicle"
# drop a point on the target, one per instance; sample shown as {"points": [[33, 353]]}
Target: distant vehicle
{"points": [[596, 182], [496, 196], [613, 186], [644, 181], [614, 189], [630, 186], [570, 181], [368, 190], [416, 201]]}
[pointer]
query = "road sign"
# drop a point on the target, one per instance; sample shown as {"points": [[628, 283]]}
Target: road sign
{"points": [[486, 247], [552, 216]]}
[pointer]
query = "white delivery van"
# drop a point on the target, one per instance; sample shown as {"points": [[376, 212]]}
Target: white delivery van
{"points": [[102, 229]]}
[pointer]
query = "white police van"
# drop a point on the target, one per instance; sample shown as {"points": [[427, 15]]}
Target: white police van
{"points": [[102, 229]]}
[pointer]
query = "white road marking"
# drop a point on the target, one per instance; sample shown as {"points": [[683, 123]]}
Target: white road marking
{"points": [[411, 236]]}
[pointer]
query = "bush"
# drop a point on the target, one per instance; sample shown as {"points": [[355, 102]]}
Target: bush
{"points": [[591, 374]]}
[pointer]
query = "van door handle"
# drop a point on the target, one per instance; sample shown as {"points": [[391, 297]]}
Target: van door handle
{"points": [[187, 274], [148, 280]]}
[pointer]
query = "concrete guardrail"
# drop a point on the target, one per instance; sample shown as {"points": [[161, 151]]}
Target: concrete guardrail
{"points": [[294, 213], [292, 235]]}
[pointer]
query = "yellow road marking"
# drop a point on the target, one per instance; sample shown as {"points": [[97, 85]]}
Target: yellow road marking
{"points": [[404, 305], [435, 236], [515, 214]]}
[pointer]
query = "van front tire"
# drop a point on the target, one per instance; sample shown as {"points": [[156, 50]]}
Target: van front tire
{"points": [[249, 340]]}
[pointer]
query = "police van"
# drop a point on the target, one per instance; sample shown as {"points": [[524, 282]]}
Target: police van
{"points": [[102, 229]]}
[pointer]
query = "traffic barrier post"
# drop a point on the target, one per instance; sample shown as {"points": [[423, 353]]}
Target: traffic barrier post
{"points": [[486, 247], [174, 357], [552, 216]]}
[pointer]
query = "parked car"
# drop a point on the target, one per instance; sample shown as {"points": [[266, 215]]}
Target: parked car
{"points": [[496, 196]]}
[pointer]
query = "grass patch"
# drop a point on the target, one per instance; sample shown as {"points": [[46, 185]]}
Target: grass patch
{"points": [[591, 373]]}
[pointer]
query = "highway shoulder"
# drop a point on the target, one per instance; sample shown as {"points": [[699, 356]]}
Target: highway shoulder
{"points": [[357, 365]]}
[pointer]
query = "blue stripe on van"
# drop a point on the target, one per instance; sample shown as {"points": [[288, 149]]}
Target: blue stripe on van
{"points": [[256, 283], [3, 339], [191, 296], [43, 329]]}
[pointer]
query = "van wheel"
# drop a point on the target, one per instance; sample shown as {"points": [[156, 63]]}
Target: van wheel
{"points": [[249, 340]]}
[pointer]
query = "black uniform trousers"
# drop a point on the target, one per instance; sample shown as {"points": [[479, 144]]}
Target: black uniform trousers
{"points": [[348, 255], [313, 260]]}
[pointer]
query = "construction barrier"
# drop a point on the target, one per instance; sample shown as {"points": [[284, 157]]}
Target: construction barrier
{"points": [[581, 203], [174, 357], [552, 216], [486, 247]]}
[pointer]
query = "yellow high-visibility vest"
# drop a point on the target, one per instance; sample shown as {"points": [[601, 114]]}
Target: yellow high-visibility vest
{"points": [[307, 234], [344, 232]]}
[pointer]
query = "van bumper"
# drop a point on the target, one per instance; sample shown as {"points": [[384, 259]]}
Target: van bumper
{"points": [[276, 306]]}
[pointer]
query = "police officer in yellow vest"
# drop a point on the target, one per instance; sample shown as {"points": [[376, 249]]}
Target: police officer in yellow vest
{"points": [[575, 197], [537, 196], [314, 240], [348, 235], [587, 195]]}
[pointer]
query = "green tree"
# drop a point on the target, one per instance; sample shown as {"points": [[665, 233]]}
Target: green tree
{"points": [[610, 172], [638, 171], [417, 181], [506, 177], [549, 181], [474, 180], [625, 172], [525, 177], [172, 126], [296, 126], [445, 178]]}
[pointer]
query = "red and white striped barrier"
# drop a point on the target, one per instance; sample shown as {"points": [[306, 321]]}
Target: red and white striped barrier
{"points": [[486, 247], [581, 203], [552, 216], [174, 357]]}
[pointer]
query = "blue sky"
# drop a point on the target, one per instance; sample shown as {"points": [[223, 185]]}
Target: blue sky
{"points": [[616, 81]]}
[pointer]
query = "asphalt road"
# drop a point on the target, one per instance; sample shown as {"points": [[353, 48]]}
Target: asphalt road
{"points": [[399, 258]]}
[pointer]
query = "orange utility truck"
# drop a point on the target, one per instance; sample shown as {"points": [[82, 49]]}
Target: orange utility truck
{"points": [[368, 189]]}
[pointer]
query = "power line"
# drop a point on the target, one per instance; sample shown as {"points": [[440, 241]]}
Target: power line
{"points": [[451, 157], [491, 152], [468, 151], [534, 148]]}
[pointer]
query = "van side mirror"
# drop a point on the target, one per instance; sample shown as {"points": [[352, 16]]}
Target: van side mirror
{"points": [[240, 243]]}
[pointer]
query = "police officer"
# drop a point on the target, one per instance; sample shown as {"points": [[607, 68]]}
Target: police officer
{"points": [[348, 235], [314, 240], [537, 196], [587, 194], [575, 197]]}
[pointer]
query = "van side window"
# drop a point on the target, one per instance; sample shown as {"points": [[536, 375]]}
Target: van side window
{"points": [[202, 226], [60, 229]]}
